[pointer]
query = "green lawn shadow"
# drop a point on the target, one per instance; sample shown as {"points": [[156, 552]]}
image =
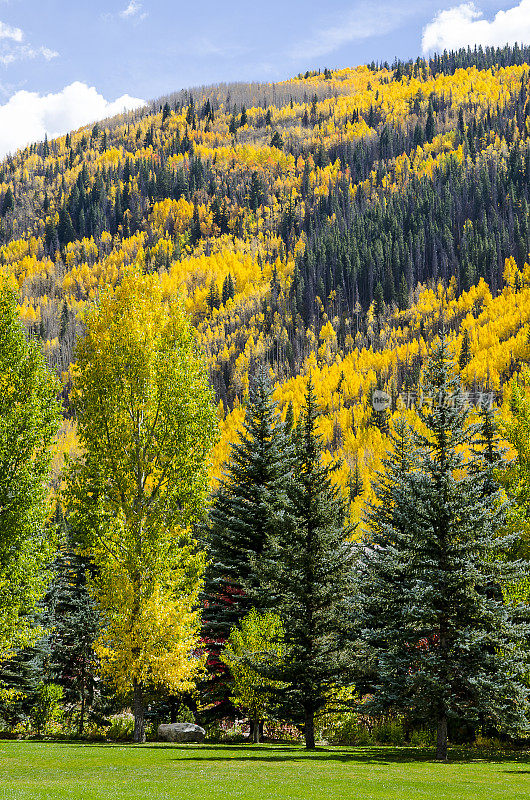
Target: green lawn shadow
{"points": [[381, 755]]}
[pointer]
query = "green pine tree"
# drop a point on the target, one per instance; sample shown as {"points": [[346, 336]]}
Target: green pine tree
{"points": [[213, 299], [245, 513], [289, 417], [445, 646], [305, 573], [465, 351], [228, 290], [73, 624], [63, 327], [8, 202], [19, 678]]}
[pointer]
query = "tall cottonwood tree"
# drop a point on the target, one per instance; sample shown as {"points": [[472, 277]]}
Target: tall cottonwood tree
{"points": [[445, 644], [146, 424], [29, 419]]}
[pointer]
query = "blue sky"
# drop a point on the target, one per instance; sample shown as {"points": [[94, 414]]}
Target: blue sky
{"points": [[130, 50]]}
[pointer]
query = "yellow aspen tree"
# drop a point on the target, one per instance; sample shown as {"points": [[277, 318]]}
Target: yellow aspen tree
{"points": [[146, 424]]}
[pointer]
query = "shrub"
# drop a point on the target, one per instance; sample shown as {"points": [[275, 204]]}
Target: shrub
{"points": [[389, 732], [121, 727], [347, 730], [47, 706], [487, 743], [422, 738]]}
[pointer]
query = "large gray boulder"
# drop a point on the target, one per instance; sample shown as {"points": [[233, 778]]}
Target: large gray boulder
{"points": [[181, 732]]}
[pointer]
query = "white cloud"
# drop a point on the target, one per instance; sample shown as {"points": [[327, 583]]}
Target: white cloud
{"points": [[133, 10], [27, 117], [27, 52], [8, 32], [14, 48], [363, 22], [465, 25]]}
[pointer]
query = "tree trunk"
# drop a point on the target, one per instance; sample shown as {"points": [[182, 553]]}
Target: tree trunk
{"points": [[441, 738], [139, 712], [82, 710], [255, 729], [309, 730]]}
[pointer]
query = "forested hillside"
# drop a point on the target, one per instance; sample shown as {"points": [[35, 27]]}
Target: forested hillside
{"points": [[329, 223]]}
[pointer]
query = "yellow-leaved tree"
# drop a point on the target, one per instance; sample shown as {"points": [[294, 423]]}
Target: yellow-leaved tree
{"points": [[146, 423], [259, 637]]}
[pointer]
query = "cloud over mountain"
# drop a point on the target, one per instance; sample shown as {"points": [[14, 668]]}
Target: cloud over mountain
{"points": [[27, 116], [465, 25]]}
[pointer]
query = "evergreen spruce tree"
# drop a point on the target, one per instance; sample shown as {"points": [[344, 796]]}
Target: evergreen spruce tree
{"points": [[289, 418], [355, 483], [305, 574], [213, 299], [63, 327], [8, 203], [19, 678], [228, 289], [73, 624], [246, 511], [465, 352], [445, 646]]}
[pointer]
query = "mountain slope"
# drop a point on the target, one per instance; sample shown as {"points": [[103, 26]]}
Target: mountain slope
{"points": [[305, 224]]}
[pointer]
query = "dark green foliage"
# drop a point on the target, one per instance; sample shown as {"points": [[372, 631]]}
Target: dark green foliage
{"points": [[246, 512], [72, 621], [289, 418], [465, 352], [445, 646], [64, 320], [304, 576], [276, 140], [356, 485], [448, 225], [20, 674], [228, 289], [213, 300], [65, 228], [8, 203]]}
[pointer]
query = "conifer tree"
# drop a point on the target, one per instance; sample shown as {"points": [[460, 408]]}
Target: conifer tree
{"points": [[445, 647], [246, 511], [8, 203], [19, 678], [73, 624], [465, 352], [289, 417], [305, 573], [228, 289]]}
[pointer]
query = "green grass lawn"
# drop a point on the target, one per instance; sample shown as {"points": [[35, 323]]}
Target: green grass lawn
{"points": [[34, 770]]}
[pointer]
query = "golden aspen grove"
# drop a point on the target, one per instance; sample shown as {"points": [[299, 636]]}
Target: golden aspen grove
{"points": [[282, 217]]}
